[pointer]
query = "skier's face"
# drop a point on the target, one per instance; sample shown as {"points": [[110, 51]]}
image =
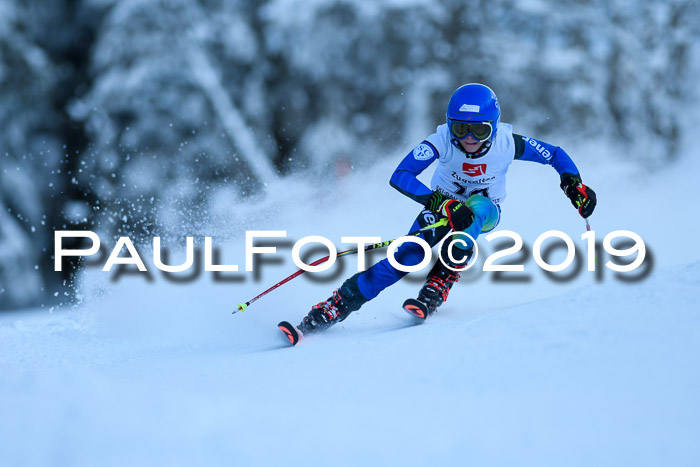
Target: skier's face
{"points": [[470, 144]]}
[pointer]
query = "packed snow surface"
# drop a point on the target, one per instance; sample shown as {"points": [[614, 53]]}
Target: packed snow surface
{"points": [[589, 371]]}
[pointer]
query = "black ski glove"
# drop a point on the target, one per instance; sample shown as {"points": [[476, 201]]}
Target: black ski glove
{"points": [[435, 201], [582, 197], [459, 215]]}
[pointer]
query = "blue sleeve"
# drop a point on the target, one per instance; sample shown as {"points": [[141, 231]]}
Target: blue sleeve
{"points": [[404, 177], [533, 150]]}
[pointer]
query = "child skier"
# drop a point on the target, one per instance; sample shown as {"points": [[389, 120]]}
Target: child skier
{"points": [[474, 150]]}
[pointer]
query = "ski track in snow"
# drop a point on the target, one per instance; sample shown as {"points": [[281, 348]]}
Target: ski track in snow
{"points": [[537, 373]]}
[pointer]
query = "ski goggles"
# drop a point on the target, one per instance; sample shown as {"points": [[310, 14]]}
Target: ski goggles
{"points": [[481, 131]]}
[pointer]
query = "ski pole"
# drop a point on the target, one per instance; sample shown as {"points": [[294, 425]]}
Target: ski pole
{"points": [[588, 229], [374, 246]]}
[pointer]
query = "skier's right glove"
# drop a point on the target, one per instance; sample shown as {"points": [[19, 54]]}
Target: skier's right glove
{"points": [[435, 201], [459, 216]]}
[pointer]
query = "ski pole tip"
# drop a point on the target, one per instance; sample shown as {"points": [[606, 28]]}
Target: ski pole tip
{"points": [[240, 307]]}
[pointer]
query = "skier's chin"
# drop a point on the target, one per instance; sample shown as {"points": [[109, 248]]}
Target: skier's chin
{"points": [[471, 148]]}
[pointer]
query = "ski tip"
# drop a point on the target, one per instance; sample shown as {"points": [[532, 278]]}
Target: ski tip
{"points": [[415, 308], [290, 331]]}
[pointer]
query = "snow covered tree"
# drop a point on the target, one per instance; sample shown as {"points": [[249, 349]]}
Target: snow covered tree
{"points": [[165, 119], [138, 117], [31, 152]]}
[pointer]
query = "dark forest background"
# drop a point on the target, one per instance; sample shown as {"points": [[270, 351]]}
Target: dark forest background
{"points": [[131, 117]]}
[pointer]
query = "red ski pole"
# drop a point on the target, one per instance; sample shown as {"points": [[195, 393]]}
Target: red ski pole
{"points": [[373, 246]]}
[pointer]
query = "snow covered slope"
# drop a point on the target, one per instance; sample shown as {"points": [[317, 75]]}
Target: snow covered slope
{"points": [[508, 373]]}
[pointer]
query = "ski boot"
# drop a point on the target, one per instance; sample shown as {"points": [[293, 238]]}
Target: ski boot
{"points": [[344, 301], [433, 293], [322, 316]]}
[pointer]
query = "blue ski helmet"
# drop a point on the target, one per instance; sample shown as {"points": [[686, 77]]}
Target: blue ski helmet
{"points": [[473, 103]]}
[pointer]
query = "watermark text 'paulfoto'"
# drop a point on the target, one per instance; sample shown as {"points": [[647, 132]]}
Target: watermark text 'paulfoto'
{"points": [[360, 245]]}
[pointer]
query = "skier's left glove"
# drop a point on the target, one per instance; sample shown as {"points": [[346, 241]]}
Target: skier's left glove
{"points": [[582, 197]]}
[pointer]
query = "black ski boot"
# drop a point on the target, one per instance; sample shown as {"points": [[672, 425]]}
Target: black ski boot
{"points": [[435, 290], [344, 301]]}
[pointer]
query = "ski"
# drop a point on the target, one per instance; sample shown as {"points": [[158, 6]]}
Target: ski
{"points": [[416, 308], [411, 305], [290, 331]]}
